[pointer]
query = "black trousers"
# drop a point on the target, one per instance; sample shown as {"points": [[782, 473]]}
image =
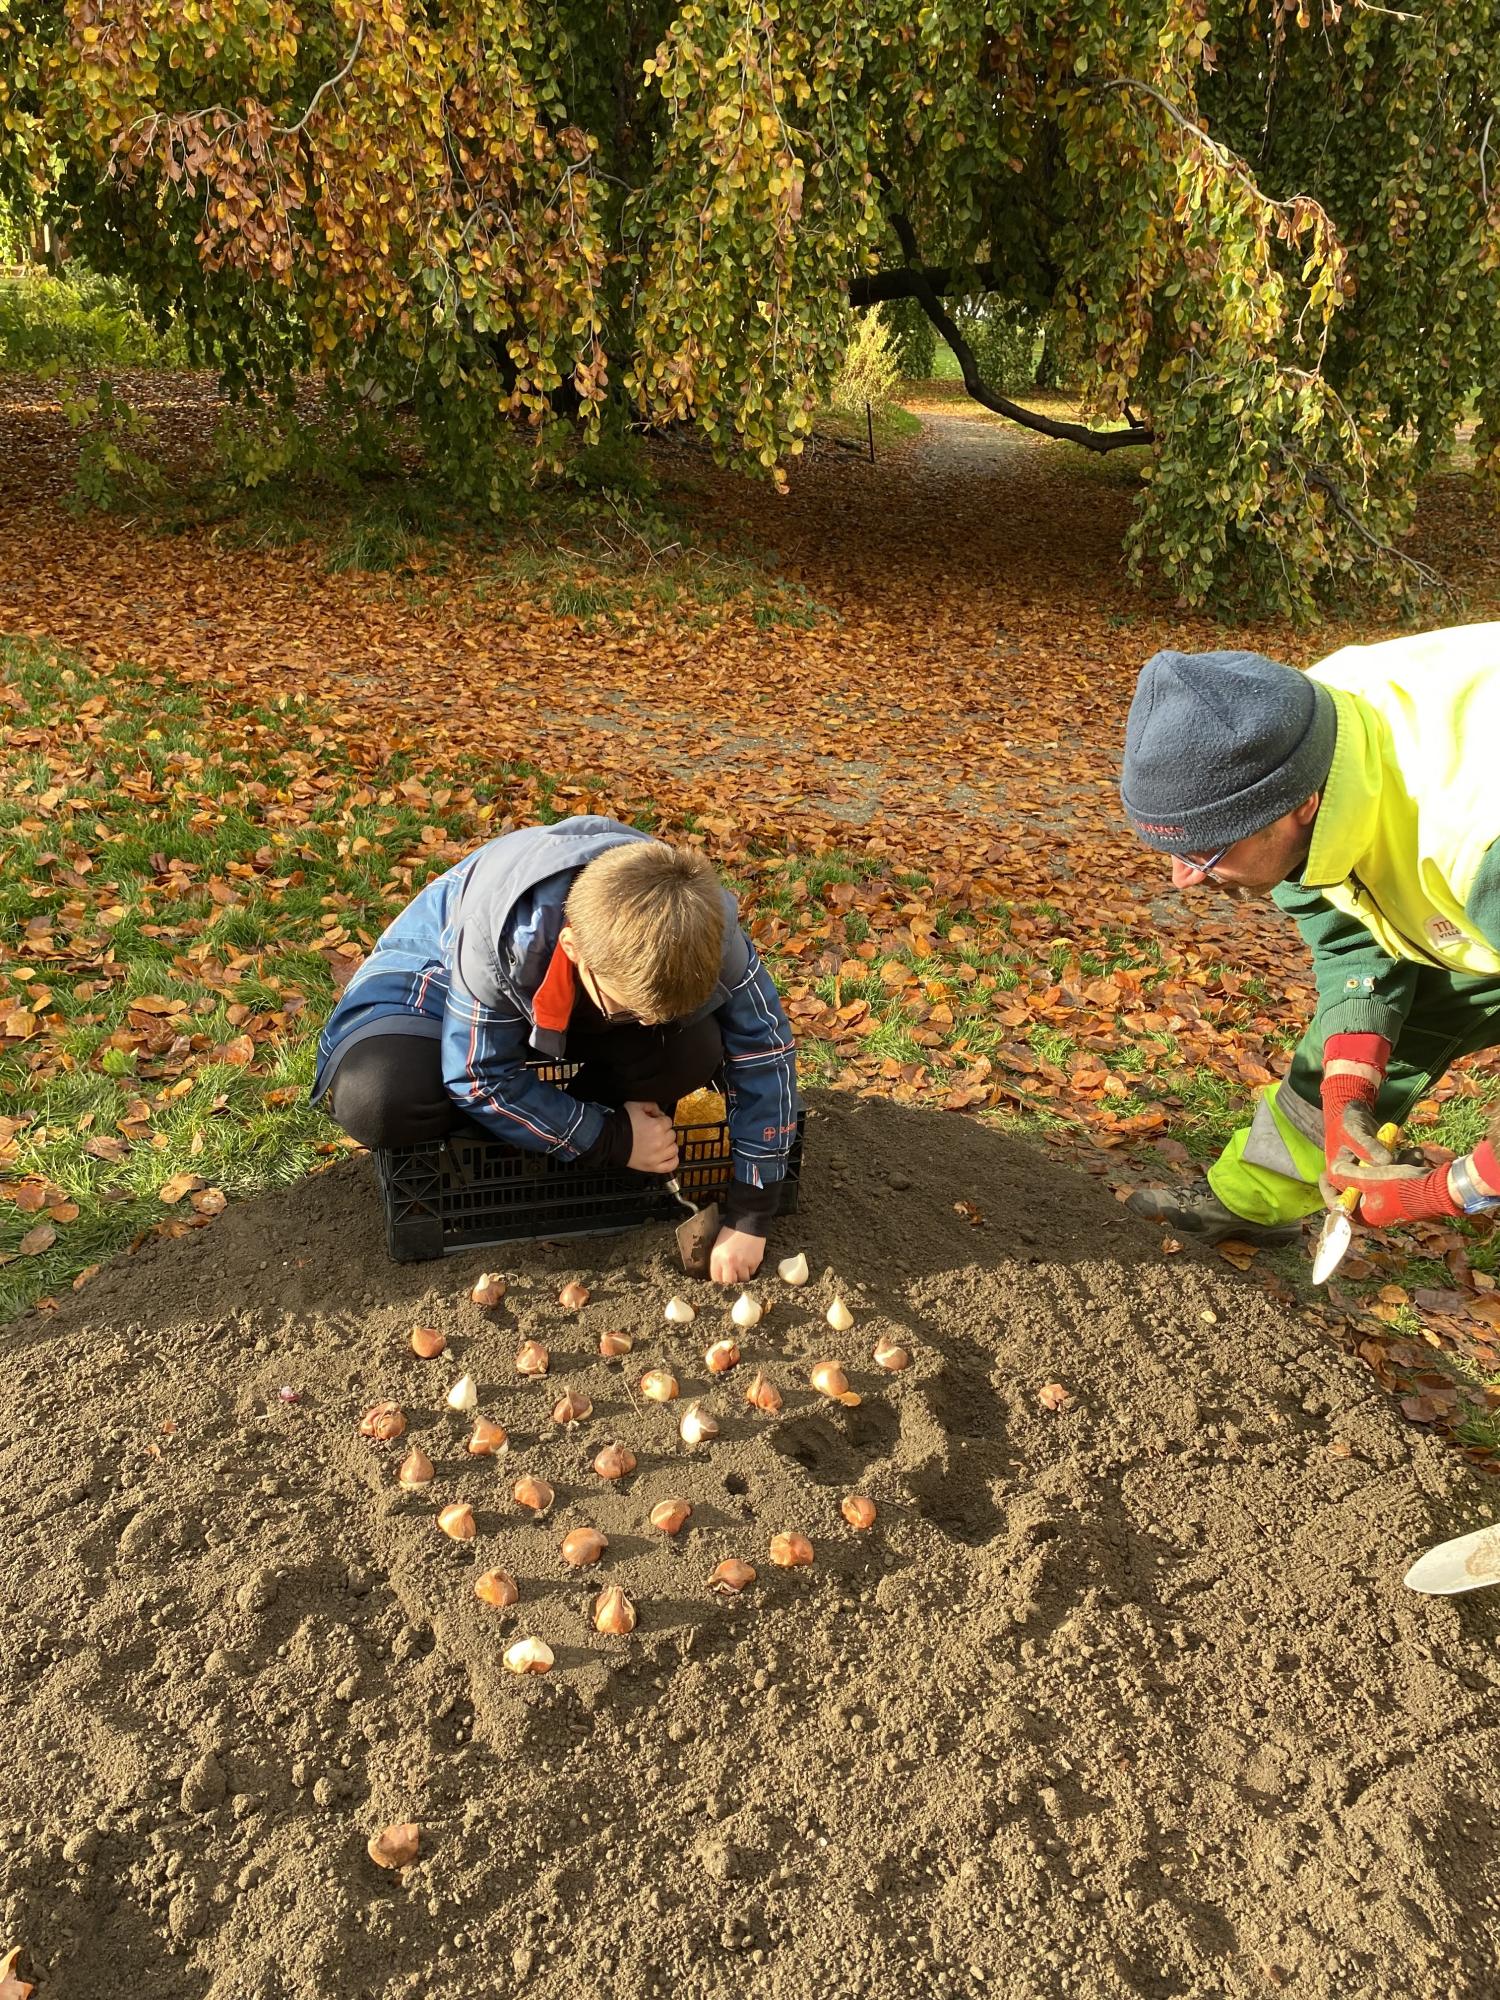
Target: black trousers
{"points": [[388, 1089]]}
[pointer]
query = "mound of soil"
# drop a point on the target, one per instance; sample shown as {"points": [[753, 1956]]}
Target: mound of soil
{"points": [[1119, 1698]]}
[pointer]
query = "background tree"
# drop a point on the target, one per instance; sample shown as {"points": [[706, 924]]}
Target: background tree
{"points": [[1273, 237]]}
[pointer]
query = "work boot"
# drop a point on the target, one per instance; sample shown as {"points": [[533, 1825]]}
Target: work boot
{"points": [[1196, 1214]]}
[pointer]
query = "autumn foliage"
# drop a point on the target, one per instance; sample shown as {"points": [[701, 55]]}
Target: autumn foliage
{"points": [[1273, 235]]}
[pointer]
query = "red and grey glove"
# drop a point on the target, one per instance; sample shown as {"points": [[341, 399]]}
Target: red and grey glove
{"points": [[1353, 1070], [1405, 1193]]}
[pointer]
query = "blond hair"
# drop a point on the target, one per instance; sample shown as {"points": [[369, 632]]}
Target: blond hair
{"points": [[648, 920]]}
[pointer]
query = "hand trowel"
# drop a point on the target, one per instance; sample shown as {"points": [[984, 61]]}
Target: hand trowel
{"points": [[696, 1236], [1337, 1232], [1468, 1562]]}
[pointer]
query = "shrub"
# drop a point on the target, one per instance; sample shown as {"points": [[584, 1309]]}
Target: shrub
{"points": [[869, 371], [1062, 360], [82, 321], [913, 337], [113, 470], [1006, 343]]}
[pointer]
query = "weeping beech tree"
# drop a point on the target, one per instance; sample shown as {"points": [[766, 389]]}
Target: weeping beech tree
{"points": [[1275, 231]]}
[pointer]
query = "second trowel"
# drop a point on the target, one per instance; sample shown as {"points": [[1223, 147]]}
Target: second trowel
{"points": [[696, 1236]]}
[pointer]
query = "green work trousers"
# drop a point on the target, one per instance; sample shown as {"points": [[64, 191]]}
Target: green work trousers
{"points": [[1269, 1170]]}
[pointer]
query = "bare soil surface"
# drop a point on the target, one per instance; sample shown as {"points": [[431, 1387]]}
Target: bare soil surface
{"points": [[1122, 1698]]}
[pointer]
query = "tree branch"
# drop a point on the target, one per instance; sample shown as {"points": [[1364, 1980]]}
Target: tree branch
{"points": [[1424, 573], [1231, 162], [1484, 179], [926, 295], [328, 83], [876, 287]]}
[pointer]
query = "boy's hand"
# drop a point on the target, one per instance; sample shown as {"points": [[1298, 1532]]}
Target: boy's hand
{"points": [[736, 1256], [653, 1143]]}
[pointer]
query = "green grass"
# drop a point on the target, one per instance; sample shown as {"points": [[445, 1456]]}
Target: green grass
{"points": [[122, 852], [892, 425]]}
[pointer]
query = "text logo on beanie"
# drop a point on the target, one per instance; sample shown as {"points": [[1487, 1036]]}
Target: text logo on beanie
{"points": [[1218, 745]]}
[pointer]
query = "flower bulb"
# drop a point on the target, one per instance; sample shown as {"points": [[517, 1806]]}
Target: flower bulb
{"points": [[731, 1577], [532, 1358], [670, 1515], [415, 1471], [830, 1380], [678, 1311], [696, 1425], [839, 1317], [793, 1270], [496, 1587], [532, 1493], [659, 1386], [463, 1396], [394, 1847], [721, 1357], [528, 1656], [763, 1395], [457, 1521], [581, 1547], [791, 1551], [613, 1611]]}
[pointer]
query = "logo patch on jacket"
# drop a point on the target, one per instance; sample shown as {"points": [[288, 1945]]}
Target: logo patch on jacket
{"points": [[1443, 931]]}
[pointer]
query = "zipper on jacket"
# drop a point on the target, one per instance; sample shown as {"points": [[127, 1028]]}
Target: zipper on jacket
{"points": [[1418, 952]]}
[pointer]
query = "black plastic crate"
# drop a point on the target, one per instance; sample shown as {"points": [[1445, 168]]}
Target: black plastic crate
{"points": [[472, 1190]]}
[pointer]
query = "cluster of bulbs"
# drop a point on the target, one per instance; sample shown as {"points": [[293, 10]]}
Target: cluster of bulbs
{"points": [[583, 1547]]}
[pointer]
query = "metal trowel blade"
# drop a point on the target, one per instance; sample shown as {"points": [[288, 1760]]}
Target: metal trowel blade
{"points": [[1334, 1239], [1468, 1562], [696, 1238]]}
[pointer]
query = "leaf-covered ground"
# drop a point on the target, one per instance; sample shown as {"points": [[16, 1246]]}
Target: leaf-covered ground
{"points": [[230, 753]]}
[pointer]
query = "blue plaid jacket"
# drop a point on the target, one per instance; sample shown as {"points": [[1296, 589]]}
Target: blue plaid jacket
{"points": [[467, 962]]}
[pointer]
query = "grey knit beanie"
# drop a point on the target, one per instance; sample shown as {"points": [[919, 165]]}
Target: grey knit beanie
{"points": [[1217, 745]]}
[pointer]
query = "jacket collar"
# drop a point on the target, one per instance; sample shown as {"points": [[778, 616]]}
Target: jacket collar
{"points": [[552, 1003], [1349, 811]]}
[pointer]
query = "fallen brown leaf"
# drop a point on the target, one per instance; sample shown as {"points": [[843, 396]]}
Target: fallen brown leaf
{"points": [[180, 1184]]}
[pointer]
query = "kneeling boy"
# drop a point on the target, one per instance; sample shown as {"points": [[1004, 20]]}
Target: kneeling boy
{"points": [[584, 942]]}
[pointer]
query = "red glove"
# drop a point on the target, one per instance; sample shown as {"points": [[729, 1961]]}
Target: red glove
{"points": [[1404, 1193], [1353, 1071], [1389, 1195]]}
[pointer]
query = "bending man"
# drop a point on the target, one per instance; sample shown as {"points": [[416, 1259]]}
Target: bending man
{"points": [[1363, 797]]}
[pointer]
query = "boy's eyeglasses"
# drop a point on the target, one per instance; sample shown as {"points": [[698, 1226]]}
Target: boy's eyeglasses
{"points": [[614, 1017], [1203, 864]]}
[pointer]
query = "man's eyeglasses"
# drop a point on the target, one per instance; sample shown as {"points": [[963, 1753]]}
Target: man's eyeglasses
{"points": [[1203, 864]]}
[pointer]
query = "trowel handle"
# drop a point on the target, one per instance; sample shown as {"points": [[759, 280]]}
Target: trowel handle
{"points": [[1348, 1198]]}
